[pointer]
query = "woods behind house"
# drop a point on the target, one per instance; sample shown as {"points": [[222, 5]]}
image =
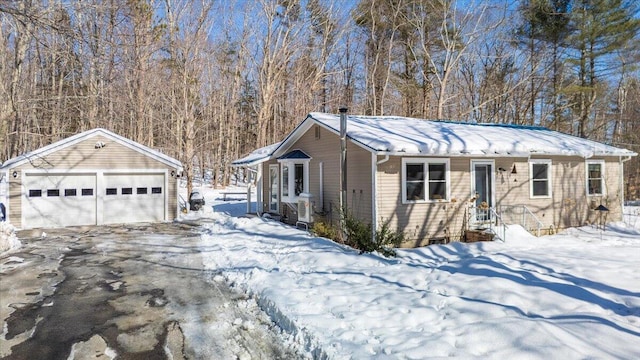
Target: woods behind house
{"points": [[208, 81]]}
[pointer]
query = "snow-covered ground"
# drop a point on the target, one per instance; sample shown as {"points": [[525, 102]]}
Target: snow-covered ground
{"points": [[573, 295], [8, 239]]}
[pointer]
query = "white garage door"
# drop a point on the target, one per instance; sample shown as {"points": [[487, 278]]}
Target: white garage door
{"points": [[133, 198], [57, 200]]}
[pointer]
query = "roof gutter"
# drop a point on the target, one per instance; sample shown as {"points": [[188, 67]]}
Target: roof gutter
{"points": [[491, 155]]}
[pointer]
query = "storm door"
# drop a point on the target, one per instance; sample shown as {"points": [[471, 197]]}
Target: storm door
{"points": [[274, 188], [482, 187]]}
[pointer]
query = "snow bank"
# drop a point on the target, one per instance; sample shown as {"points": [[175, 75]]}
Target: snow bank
{"points": [[572, 295], [8, 239]]}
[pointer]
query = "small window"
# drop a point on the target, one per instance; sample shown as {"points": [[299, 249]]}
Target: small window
{"points": [[141, 191], [414, 181], [127, 191], [317, 132], [87, 192], [595, 177], [285, 181], [299, 178], [35, 193], [540, 171], [53, 192], [156, 190], [112, 191], [70, 192]]}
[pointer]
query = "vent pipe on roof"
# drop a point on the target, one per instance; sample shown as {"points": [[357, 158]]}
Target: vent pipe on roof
{"points": [[343, 166]]}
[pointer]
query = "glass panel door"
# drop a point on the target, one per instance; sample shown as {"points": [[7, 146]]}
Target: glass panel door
{"points": [[274, 188], [483, 188]]}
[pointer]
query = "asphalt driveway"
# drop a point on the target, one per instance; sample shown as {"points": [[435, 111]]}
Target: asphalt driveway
{"points": [[126, 292]]}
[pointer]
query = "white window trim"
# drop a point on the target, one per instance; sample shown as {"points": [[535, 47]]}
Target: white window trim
{"points": [[549, 163], [426, 163], [290, 164], [602, 177]]}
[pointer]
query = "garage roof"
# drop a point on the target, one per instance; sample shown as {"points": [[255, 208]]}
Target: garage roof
{"points": [[44, 151]]}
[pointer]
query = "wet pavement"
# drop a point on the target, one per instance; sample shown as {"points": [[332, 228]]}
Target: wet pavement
{"points": [[126, 292]]}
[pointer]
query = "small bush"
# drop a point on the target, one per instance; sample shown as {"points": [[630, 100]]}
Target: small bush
{"points": [[325, 230], [359, 236], [388, 239]]}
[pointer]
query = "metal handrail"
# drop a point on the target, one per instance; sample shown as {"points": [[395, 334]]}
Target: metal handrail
{"points": [[528, 220], [499, 225], [489, 217]]}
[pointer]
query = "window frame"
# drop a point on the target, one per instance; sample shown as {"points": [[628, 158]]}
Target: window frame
{"points": [[602, 177], [53, 192], [288, 191], [425, 162], [549, 178]]}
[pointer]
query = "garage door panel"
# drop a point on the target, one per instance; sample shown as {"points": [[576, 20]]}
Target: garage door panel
{"points": [[60, 200], [133, 198]]}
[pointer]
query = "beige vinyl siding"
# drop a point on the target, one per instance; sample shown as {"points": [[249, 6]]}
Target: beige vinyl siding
{"points": [[15, 202], [325, 149], [569, 205], [358, 174], [84, 156], [422, 221], [172, 193]]}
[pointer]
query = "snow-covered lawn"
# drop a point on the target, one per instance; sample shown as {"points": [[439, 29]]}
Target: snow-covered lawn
{"points": [[574, 295]]}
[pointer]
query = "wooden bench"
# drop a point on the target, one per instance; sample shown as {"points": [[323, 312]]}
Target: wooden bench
{"points": [[232, 193]]}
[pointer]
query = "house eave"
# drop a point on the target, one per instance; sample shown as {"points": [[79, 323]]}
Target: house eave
{"points": [[476, 154]]}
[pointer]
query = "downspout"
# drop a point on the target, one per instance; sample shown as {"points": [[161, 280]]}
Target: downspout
{"points": [[321, 192], [343, 167], [374, 191], [622, 161]]}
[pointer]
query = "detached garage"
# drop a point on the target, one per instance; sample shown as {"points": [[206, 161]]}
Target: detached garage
{"points": [[93, 178]]}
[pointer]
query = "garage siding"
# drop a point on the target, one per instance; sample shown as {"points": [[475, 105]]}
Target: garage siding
{"points": [[95, 155]]}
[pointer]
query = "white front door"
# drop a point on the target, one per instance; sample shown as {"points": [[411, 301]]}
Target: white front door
{"points": [[274, 188], [482, 186]]}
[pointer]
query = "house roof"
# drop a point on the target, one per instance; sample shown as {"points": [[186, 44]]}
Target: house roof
{"points": [[257, 156], [394, 135], [410, 136], [44, 151]]}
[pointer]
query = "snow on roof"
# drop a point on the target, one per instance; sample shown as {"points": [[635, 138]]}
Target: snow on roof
{"points": [[44, 151], [257, 156], [401, 135]]}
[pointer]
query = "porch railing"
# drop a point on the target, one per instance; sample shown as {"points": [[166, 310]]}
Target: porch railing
{"points": [[488, 218], [521, 215]]}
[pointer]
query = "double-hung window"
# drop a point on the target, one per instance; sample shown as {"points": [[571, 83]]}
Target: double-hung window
{"points": [[595, 177], [540, 175], [425, 180]]}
